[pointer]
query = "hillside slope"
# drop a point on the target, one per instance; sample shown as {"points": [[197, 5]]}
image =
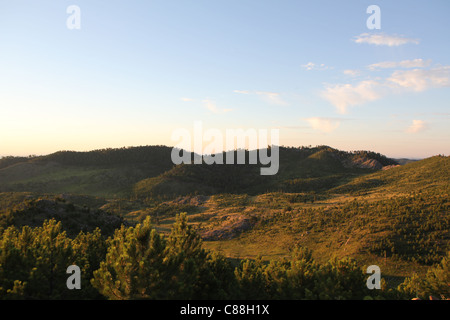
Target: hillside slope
{"points": [[431, 174], [397, 218], [106, 172], [322, 199], [300, 170], [149, 171]]}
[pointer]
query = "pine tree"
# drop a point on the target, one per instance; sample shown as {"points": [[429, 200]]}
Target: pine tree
{"points": [[140, 264], [252, 280], [438, 279], [89, 250], [134, 264], [52, 255]]}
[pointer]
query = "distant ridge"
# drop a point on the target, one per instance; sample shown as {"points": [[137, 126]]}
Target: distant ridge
{"points": [[431, 174], [148, 170], [404, 161]]}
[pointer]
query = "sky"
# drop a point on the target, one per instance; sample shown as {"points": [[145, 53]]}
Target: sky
{"points": [[136, 71]]}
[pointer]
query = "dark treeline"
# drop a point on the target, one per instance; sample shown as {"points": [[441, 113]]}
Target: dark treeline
{"points": [[10, 160], [157, 155], [342, 155], [139, 263], [301, 169], [140, 171], [160, 155]]}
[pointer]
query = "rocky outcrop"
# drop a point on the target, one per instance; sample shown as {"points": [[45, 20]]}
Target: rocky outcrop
{"points": [[192, 200], [364, 163], [390, 167], [231, 227]]}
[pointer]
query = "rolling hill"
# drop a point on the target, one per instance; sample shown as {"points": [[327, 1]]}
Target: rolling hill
{"points": [[358, 204], [106, 172], [149, 170], [300, 170], [431, 174]]}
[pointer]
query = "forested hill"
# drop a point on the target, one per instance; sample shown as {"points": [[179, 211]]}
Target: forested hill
{"points": [[104, 172], [149, 169], [431, 174], [157, 155], [359, 205], [303, 169]]}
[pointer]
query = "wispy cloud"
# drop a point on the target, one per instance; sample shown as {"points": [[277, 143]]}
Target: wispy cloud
{"points": [[313, 66], [272, 97], [406, 64], [291, 127], [381, 39], [417, 126], [326, 125], [211, 106], [353, 73], [269, 97], [420, 79], [343, 96], [242, 91]]}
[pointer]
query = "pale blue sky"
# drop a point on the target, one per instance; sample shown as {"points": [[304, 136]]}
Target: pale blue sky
{"points": [[138, 70]]}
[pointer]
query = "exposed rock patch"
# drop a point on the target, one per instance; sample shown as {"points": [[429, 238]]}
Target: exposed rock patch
{"points": [[193, 201], [364, 163], [390, 167], [230, 227]]}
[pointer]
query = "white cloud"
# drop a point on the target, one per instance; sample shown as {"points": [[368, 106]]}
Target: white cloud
{"points": [[352, 73], [211, 106], [186, 99], [313, 66], [323, 124], [343, 96], [420, 80], [381, 39], [417, 126], [416, 63]]}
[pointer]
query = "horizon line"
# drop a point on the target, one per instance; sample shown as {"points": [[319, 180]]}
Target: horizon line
{"points": [[2, 156]]}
